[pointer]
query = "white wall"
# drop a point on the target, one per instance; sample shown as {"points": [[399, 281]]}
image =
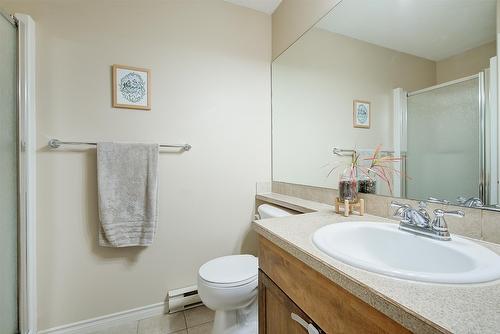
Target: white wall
{"points": [[210, 63], [294, 17], [314, 84]]}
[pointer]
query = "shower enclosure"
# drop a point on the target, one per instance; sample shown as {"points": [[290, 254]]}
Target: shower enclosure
{"points": [[444, 144], [448, 139], [17, 175]]}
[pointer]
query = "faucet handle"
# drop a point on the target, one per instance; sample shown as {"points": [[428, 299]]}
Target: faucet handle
{"points": [[438, 201], [456, 213], [402, 211], [395, 204], [473, 202], [439, 224]]}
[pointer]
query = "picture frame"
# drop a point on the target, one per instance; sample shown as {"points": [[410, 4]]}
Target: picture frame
{"points": [[361, 117], [131, 87]]}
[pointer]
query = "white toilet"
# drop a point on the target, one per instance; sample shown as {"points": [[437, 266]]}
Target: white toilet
{"points": [[228, 285]]}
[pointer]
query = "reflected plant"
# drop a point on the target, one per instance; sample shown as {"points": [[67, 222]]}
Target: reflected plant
{"points": [[379, 166]]}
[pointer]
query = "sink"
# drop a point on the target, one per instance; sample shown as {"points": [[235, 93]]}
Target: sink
{"points": [[383, 248]]}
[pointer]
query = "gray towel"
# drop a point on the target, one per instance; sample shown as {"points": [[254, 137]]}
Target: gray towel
{"points": [[127, 179]]}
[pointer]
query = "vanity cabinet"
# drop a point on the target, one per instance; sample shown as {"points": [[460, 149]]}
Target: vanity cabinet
{"points": [[288, 286], [277, 312]]}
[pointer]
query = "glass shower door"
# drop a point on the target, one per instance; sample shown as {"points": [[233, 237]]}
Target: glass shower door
{"points": [[8, 177], [444, 142]]}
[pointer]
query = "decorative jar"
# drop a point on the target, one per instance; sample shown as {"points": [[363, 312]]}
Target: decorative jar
{"points": [[348, 188]]}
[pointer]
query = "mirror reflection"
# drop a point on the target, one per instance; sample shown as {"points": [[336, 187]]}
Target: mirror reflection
{"points": [[392, 97]]}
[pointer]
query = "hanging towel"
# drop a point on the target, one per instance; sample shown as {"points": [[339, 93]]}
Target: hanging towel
{"points": [[127, 180]]}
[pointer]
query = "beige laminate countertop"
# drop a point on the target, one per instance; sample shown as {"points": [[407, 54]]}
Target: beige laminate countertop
{"points": [[420, 307]]}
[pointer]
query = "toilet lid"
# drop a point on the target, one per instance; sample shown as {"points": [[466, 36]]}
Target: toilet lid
{"points": [[230, 269]]}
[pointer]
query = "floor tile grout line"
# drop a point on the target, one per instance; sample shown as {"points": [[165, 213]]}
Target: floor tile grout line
{"points": [[201, 323], [185, 320], [204, 322]]}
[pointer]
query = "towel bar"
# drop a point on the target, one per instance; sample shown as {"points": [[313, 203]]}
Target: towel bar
{"points": [[56, 143]]}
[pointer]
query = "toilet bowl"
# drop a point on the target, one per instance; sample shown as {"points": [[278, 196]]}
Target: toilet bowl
{"points": [[228, 285]]}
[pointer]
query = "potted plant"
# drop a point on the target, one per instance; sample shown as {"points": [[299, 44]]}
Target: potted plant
{"points": [[362, 173]]}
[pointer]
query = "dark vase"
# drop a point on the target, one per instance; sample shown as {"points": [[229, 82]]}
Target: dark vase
{"points": [[348, 188], [367, 186]]}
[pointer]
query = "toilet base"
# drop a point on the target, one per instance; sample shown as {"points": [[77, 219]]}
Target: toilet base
{"points": [[240, 321]]}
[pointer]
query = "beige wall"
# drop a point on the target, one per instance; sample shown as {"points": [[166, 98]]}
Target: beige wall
{"points": [[294, 17], [467, 63], [210, 64], [314, 84]]}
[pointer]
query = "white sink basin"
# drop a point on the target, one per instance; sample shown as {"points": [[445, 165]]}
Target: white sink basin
{"points": [[384, 249]]}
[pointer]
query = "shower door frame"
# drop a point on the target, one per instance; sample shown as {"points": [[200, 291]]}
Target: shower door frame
{"points": [[26, 107], [27, 144], [400, 132]]}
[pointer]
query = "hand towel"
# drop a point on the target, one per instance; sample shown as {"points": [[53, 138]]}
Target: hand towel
{"points": [[127, 180]]}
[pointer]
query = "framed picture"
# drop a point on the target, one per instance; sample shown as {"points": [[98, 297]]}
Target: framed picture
{"points": [[361, 114], [131, 87]]}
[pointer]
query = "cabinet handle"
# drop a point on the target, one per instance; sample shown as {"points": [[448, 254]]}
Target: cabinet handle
{"points": [[309, 327]]}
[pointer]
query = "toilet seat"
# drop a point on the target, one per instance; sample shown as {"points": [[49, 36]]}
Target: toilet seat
{"points": [[230, 271], [250, 281]]}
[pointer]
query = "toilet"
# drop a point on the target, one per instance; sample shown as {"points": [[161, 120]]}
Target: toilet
{"points": [[228, 285]]}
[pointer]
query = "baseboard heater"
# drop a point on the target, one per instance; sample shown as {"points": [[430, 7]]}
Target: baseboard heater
{"points": [[183, 299]]}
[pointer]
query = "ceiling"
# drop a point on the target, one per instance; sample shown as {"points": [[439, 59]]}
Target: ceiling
{"points": [[266, 6], [432, 29]]}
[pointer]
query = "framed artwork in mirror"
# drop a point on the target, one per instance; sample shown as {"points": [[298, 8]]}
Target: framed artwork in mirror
{"points": [[361, 114], [131, 87]]}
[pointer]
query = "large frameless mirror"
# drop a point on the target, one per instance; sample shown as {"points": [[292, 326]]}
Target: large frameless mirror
{"points": [[403, 90]]}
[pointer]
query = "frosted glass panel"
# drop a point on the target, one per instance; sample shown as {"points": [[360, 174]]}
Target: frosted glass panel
{"points": [[443, 142], [8, 178]]}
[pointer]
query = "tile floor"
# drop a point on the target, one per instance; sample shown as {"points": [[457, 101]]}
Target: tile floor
{"points": [[198, 320]]}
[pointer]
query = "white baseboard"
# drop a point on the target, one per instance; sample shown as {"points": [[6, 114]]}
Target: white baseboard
{"points": [[110, 320]]}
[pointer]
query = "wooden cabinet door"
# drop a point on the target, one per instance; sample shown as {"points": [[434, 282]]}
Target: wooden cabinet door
{"points": [[332, 307], [276, 309]]}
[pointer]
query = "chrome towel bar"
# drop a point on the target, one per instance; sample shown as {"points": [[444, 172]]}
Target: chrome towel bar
{"points": [[56, 143], [342, 152], [348, 153]]}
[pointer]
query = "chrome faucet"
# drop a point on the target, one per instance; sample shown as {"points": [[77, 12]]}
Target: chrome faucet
{"points": [[418, 221], [473, 202]]}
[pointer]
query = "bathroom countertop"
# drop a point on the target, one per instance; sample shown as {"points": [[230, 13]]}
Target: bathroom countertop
{"points": [[420, 307], [293, 203]]}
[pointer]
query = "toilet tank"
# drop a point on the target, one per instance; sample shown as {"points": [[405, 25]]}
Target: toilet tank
{"points": [[270, 211]]}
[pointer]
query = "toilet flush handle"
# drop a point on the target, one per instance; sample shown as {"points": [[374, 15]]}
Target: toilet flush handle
{"points": [[309, 327]]}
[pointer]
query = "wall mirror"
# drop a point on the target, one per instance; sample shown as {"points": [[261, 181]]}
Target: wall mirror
{"points": [[404, 89]]}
